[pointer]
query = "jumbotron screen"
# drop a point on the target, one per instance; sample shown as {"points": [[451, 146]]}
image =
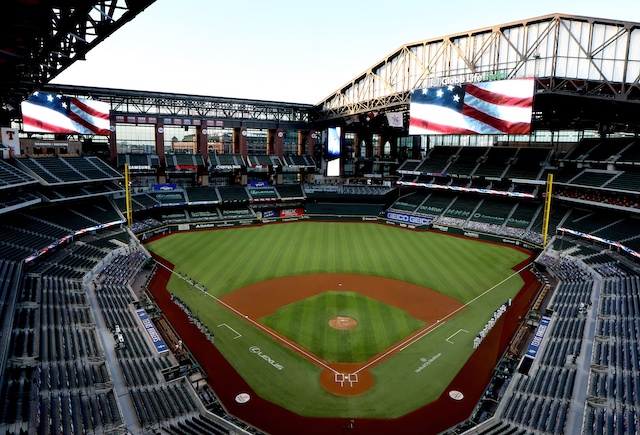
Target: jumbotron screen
{"points": [[496, 107], [49, 113], [334, 144]]}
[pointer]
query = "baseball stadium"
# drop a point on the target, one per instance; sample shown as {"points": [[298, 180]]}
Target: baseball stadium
{"points": [[447, 244]]}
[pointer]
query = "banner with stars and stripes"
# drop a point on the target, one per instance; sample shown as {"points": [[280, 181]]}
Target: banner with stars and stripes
{"points": [[497, 107], [49, 113]]}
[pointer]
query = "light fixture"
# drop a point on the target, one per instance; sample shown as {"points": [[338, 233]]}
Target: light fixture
{"points": [[78, 38], [108, 17]]}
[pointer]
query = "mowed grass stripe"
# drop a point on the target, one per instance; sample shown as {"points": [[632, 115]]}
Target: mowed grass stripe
{"points": [[440, 257], [343, 340], [382, 330], [361, 351], [323, 308], [329, 309], [465, 280], [379, 264]]}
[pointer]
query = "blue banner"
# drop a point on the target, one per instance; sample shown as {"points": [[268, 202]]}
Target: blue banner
{"points": [[259, 183], [409, 218], [534, 346], [157, 340], [165, 186]]}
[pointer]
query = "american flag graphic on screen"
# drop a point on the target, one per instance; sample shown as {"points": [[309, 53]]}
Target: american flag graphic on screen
{"points": [[498, 107], [48, 113]]}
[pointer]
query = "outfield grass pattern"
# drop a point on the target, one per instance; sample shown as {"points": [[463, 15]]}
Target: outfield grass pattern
{"points": [[226, 260], [232, 258]]}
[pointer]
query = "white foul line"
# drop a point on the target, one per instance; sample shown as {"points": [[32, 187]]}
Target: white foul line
{"points": [[258, 325], [238, 335], [404, 344], [454, 334]]}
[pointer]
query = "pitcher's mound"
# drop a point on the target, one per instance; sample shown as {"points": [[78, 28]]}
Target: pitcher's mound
{"points": [[343, 323]]}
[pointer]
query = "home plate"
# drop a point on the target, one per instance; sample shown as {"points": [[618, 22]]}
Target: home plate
{"points": [[243, 398], [456, 395]]}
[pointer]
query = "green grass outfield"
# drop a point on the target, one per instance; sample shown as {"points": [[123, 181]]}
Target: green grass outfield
{"points": [[225, 260]]}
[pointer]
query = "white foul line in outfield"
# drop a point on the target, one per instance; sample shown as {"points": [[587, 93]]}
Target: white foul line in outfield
{"points": [[404, 344], [258, 325], [454, 334], [238, 335]]}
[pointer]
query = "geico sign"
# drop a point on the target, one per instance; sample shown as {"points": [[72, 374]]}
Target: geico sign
{"points": [[407, 218]]}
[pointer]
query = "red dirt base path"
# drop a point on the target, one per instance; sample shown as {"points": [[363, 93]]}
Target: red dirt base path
{"points": [[420, 302], [433, 418]]}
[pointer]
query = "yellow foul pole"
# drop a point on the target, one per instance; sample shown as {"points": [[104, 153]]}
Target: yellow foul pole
{"points": [[547, 210], [127, 188]]}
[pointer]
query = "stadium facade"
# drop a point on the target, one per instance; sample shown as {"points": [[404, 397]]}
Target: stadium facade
{"points": [[72, 269]]}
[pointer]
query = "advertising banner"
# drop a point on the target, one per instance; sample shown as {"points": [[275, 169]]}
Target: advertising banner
{"points": [[291, 212], [155, 337], [541, 330], [165, 186], [408, 218]]}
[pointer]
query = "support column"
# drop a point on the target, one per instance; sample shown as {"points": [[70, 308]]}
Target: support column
{"points": [[159, 133], [307, 142], [416, 149], [279, 142], [240, 141], [202, 141], [275, 141], [393, 141], [356, 145], [202, 145], [367, 137], [113, 147]]}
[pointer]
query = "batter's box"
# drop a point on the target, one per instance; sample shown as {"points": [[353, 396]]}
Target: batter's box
{"points": [[448, 340], [352, 378], [238, 335], [341, 378]]}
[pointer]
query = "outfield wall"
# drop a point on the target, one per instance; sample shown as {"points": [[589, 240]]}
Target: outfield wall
{"points": [[392, 218]]}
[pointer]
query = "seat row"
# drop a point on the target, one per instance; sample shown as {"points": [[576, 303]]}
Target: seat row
{"points": [[603, 421], [537, 413], [162, 403], [540, 401], [77, 413]]}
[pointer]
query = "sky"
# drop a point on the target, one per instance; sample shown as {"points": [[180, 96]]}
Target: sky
{"points": [[289, 50]]}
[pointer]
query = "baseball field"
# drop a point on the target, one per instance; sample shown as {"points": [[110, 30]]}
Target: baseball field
{"points": [[331, 319]]}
